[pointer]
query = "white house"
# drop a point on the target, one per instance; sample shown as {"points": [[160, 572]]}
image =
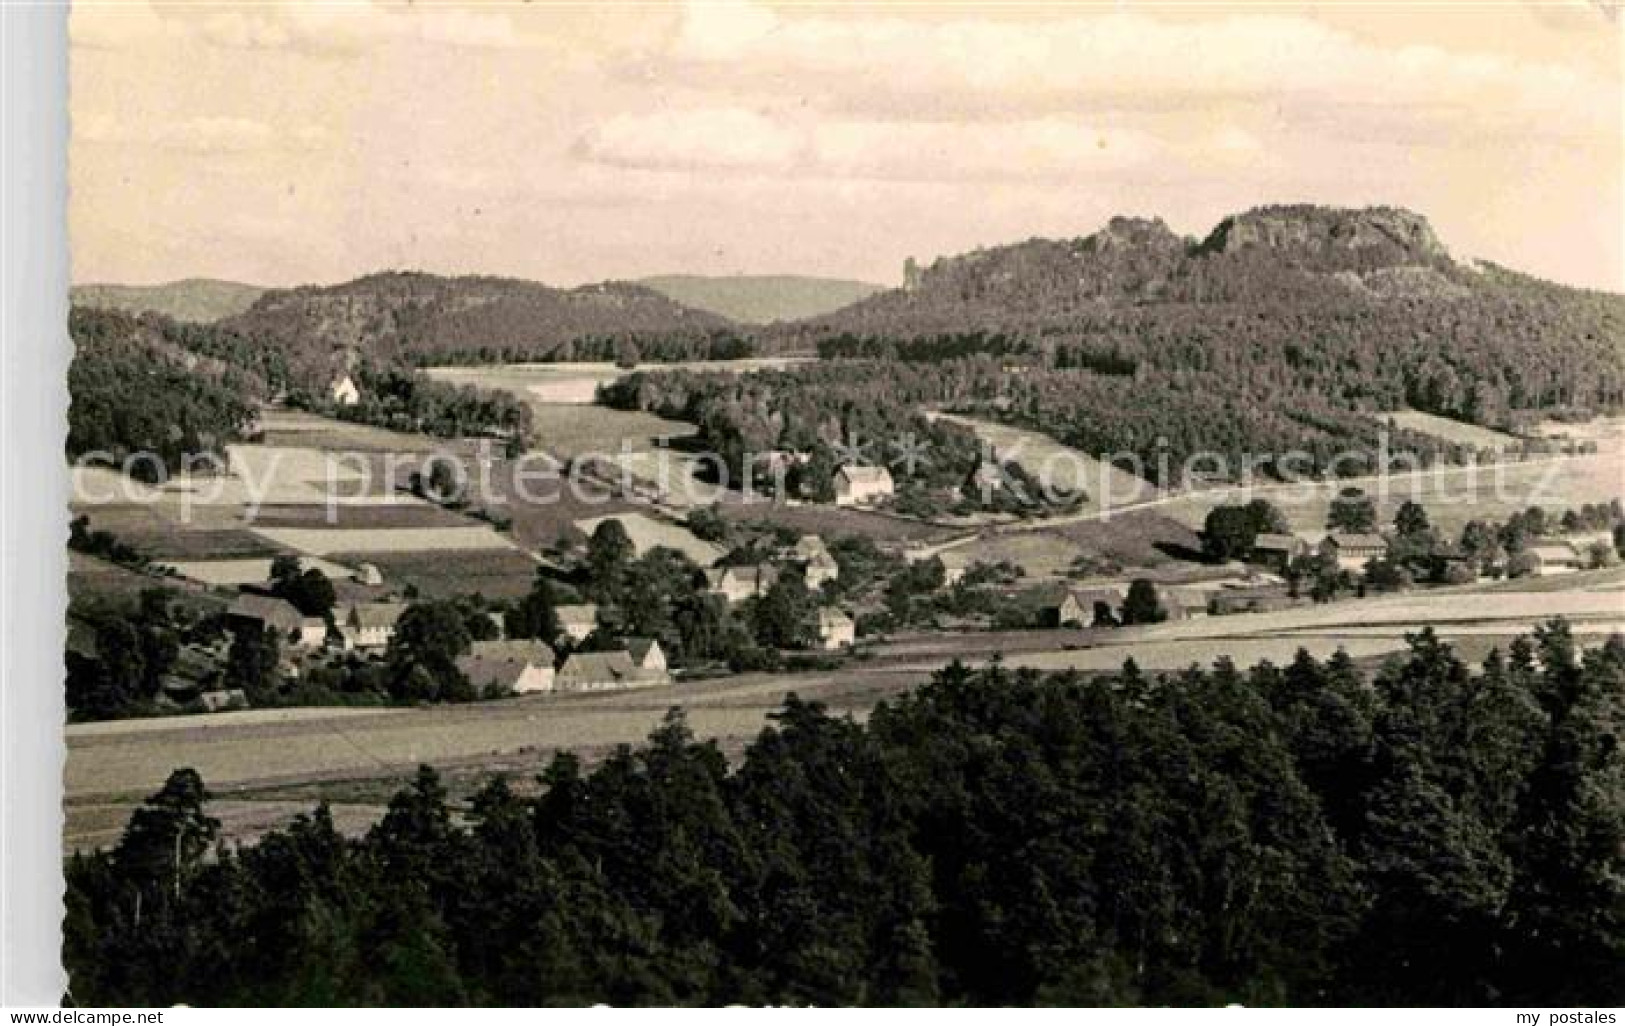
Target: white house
{"points": [[312, 632], [371, 624], [856, 485], [523, 666], [646, 654], [343, 391], [738, 583], [578, 621], [817, 564], [835, 629], [1555, 558]]}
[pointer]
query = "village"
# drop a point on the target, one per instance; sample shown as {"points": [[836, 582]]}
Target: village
{"points": [[657, 593]]}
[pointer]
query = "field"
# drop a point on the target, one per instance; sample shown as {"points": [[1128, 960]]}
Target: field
{"points": [[568, 431], [322, 541], [310, 431], [232, 572], [494, 573], [832, 522], [1459, 432], [647, 533], [1059, 466], [578, 382]]}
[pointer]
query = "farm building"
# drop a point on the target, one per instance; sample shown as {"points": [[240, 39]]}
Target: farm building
{"points": [[577, 622], [738, 583], [343, 391], [1183, 603], [646, 654], [1555, 558], [312, 632], [522, 666], [1277, 551], [605, 671], [1354, 551], [857, 486], [265, 611], [1082, 607], [231, 698], [371, 624], [835, 629], [817, 564]]}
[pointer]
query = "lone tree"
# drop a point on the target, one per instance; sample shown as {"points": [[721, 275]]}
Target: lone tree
{"points": [[168, 836], [609, 550], [1352, 511], [1411, 520], [1142, 605], [536, 615]]}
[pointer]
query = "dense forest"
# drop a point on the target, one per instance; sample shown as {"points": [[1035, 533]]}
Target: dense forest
{"points": [[1306, 834], [145, 385]]}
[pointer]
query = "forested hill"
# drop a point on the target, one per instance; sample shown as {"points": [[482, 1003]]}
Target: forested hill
{"points": [[760, 298], [198, 300], [423, 318], [1366, 308], [150, 384]]}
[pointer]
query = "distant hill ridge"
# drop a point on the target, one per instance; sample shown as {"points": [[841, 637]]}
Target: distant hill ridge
{"points": [[197, 300], [1364, 307], [762, 299], [421, 318]]}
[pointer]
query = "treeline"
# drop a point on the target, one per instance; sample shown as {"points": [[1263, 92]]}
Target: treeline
{"points": [[623, 350], [1304, 834], [407, 400], [137, 387]]}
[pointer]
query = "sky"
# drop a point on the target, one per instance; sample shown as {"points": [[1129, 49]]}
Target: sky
{"points": [[281, 144]]}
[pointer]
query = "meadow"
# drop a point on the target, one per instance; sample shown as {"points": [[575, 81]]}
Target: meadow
{"points": [[1457, 431]]}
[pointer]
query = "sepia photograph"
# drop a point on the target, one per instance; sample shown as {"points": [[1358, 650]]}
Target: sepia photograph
{"points": [[737, 503]]}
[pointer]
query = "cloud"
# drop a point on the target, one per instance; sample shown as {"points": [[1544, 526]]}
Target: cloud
{"points": [[753, 142], [195, 135], [337, 28], [968, 67], [691, 139]]}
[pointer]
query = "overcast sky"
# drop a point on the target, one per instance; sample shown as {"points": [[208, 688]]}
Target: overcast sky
{"points": [[572, 143]]}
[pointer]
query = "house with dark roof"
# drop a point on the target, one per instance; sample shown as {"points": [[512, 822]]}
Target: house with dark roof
{"points": [[646, 654], [521, 665], [1354, 551], [1277, 551], [262, 611], [605, 671]]}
